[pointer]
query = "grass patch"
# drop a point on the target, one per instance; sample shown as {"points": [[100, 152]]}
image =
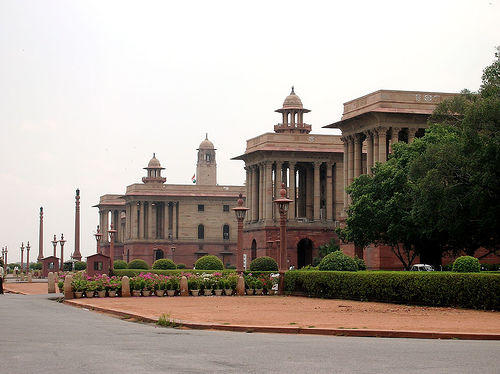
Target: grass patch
{"points": [[166, 320]]}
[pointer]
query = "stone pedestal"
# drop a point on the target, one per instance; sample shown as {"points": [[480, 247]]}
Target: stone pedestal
{"points": [[125, 286], [51, 283], [30, 278], [240, 287], [184, 286], [68, 292]]}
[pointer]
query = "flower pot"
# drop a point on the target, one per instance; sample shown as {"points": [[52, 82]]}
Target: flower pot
{"points": [[101, 293], [228, 291], [112, 293], [249, 291], [160, 293], [258, 291], [171, 292], [218, 292], [89, 294], [78, 294], [207, 292], [195, 292], [136, 293]]}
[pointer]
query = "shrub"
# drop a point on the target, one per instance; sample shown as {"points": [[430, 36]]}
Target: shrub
{"points": [[360, 262], [36, 266], [138, 264], [232, 267], [181, 266], [209, 262], [164, 264], [338, 261], [67, 266], [120, 264], [476, 291], [264, 263], [80, 265], [309, 268], [133, 272], [466, 264]]}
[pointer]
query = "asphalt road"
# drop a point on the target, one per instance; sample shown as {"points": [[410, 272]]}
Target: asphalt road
{"points": [[38, 336]]}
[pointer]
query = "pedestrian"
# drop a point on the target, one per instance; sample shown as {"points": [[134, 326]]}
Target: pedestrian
{"points": [[1, 277]]}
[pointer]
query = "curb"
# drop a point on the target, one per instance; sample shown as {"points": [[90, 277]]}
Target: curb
{"points": [[301, 330]]}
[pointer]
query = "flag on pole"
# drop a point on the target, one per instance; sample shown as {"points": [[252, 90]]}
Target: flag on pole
{"points": [[193, 178]]}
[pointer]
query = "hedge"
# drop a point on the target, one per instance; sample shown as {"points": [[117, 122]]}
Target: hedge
{"points": [[209, 262], [164, 264], [471, 290], [264, 263], [138, 264], [134, 272]]}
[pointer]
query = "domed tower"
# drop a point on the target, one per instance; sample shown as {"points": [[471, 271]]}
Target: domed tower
{"points": [[206, 167], [293, 116], [154, 172]]}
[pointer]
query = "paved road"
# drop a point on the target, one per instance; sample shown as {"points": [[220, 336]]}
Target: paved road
{"points": [[38, 336]]}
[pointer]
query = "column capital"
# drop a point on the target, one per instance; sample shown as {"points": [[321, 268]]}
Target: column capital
{"points": [[412, 130], [317, 164], [381, 130], [368, 133]]}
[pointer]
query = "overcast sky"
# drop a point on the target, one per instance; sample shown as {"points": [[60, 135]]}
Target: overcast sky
{"points": [[90, 89]]}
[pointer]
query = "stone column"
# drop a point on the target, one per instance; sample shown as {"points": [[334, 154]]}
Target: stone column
{"points": [[317, 190], [113, 222], [277, 186], [269, 191], [255, 194], [152, 221], [369, 152], [248, 190], [344, 168], [141, 221], [358, 158], [411, 134], [135, 208], [329, 192], [375, 147], [291, 192], [128, 216], [338, 192], [165, 219], [309, 195], [394, 137], [351, 160], [175, 219], [261, 192], [40, 239], [105, 228], [382, 146]]}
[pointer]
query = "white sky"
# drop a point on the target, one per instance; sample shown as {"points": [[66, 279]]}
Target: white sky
{"points": [[90, 89]]}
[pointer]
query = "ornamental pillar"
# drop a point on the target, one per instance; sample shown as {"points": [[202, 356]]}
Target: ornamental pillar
{"points": [[382, 144], [291, 210], [358, 159], [329, 192], [317, 190], [369, 152], [394, 137], [411, 135], [345, 168]]}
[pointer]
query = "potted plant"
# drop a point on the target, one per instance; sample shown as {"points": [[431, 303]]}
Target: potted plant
{"points": [[194, 286], [137, 285], [249, 284], [100, 287], [113, 285], [207, 284], [219, 286], [173, 285], [78, 285], [91, 288], [160, 284], [258, 286]]}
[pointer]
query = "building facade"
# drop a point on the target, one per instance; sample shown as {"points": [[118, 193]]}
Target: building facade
{"points": [[311, 167], [157, 220]]}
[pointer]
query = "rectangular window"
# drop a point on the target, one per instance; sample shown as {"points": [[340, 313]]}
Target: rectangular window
{"points": [[201, 208], [225, 208], [98, 265]]}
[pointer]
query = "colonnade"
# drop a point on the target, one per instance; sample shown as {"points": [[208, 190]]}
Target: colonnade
{"points": [[379, 143], [310, 186]]}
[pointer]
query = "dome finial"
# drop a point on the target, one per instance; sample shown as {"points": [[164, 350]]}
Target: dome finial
{"points": [[293, 92], [206, 136], [154, 155]]}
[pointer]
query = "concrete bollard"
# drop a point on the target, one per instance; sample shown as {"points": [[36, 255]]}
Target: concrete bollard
{"points": [[125, 286], [184, 286], [68, 291], [240, 287], [30, 277], [51, 283]]}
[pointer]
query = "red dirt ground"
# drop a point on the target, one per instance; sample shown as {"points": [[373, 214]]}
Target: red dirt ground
{"points": [[293, 311]]}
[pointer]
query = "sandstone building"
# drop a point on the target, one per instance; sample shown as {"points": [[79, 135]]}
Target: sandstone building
{"points": [[182, 222]]}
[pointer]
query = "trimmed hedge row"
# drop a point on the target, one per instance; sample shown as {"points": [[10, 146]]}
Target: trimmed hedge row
{"points": [[475, 291], [133, 272]]}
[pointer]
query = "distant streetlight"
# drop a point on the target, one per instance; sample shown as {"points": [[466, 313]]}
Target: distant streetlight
{"points": [[240, 212], [98, 237]]}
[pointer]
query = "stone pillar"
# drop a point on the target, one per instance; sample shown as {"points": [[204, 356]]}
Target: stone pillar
{"points": [[51, 283], [338, 192], [76, 253], [255, 193], [277, 186], [68, 292], [141, 221], [248, 190], [40, 238], [165, 219], [382, 144], [411, 134], [113, 222], [269, 191], [128, 217], [105, 228], [345, 169], [152, 221], [240, 286], [184, 286], [135, 208], [369, 152], [394, 137], [350, 171], [291, 191], [358, 158], [125, 286], [329, 192], [309, 196], [261, 192], [317, 190]]}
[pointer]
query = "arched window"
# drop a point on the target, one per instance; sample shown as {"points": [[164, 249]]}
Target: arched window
{"points": [[225, 232], [201, 232], [207, 157]]}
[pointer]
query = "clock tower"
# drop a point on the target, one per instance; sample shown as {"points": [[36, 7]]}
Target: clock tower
{"points": [[206, 167]]}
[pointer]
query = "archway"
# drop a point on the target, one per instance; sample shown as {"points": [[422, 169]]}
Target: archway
{"points": [[253, 255], [158, 254], [304, 252]]}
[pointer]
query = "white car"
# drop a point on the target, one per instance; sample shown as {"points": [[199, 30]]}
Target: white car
{"points": [[421, 267]]}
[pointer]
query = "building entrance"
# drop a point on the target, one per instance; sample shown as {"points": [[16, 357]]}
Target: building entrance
{"points": [[158, 254], [304, 253]]}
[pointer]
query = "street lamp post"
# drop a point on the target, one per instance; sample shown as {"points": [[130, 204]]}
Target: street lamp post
{"points": [[240, 212], [98, 236], [111, 233], [6, 251], [62, 241], [28, 257], [22, 256], [54, 243], [283, 204], [173, 253]]}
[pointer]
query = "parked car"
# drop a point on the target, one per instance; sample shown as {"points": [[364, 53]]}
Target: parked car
{"points": [[422, 267]]}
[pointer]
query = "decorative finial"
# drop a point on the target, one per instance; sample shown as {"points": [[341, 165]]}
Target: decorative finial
{"points": [[293, 92], [206, 136], [77, 192], [283, 190], [154, 155], [240, 199]]}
